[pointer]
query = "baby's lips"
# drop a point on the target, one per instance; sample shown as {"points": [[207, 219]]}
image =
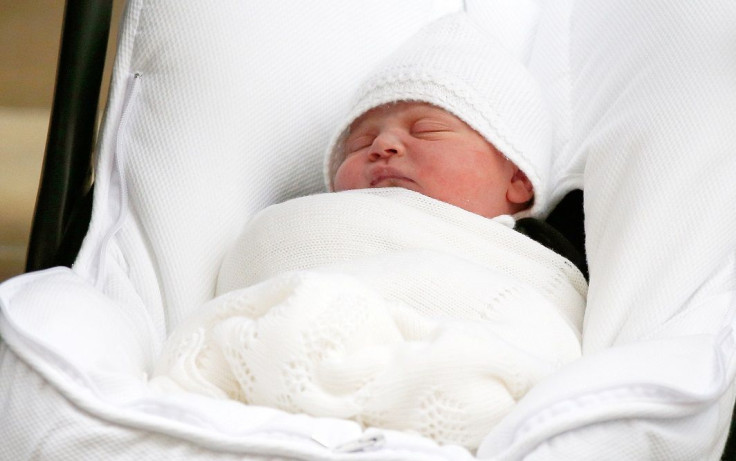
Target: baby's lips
{"points": [[384, 174]]}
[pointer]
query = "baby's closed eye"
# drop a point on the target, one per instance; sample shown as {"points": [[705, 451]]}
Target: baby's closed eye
{"points": [[429, 128], [356, 143]]}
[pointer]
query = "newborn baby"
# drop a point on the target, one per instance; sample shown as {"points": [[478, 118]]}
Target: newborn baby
{"points": [[405, 300]]}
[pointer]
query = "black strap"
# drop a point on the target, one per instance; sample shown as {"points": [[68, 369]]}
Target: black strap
{"points": [[551, 238]]}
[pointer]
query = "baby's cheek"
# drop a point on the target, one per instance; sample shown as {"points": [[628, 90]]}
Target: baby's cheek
{"points": [[347, 177]]}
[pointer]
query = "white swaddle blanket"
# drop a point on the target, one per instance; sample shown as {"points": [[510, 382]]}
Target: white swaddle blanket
{"points": [[383, 306]]}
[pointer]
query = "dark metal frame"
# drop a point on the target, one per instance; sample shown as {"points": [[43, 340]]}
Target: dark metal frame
{"points": [[64, 203]]}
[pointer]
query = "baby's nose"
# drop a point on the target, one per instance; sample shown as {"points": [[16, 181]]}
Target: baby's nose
{"points": [[386, 145]]}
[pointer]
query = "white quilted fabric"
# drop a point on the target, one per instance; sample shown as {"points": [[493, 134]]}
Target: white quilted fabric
{"points": [[654, 107]]}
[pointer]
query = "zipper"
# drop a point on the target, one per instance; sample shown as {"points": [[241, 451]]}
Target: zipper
{"points": [[118, 175]]}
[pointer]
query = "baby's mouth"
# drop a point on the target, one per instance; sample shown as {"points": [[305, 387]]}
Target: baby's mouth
{"points": [[388, 177]]}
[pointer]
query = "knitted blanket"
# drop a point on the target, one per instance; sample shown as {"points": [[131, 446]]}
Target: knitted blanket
{"points": [[386, 307]]}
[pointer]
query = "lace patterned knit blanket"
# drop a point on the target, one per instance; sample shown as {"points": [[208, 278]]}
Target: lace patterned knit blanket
{"points": [[385, 307]]}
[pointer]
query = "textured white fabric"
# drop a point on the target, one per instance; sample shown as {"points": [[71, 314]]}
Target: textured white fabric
{"points": [[27, 419], [549, 62], [416, 316], [342, 227], [659, 114], [478, 77], [663, 399], [84, 394], [654, 104]]}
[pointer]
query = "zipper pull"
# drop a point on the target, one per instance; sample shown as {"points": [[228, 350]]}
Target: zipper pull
{"points": [[365, 443]]}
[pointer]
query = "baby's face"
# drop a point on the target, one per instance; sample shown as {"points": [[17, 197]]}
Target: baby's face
{"points": [[426, 149]]}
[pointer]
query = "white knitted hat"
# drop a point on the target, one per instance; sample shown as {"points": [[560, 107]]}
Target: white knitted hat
{"points": [[452, 64]]}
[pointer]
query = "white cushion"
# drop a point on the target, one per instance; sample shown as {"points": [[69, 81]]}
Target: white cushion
{"points": [[654, 111], [654, 104]]}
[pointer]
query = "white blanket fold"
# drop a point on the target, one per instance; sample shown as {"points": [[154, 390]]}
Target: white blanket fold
{"points": [[388, 308]]}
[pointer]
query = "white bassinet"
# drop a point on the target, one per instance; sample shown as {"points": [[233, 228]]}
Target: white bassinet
{"points": [[218, 109]]}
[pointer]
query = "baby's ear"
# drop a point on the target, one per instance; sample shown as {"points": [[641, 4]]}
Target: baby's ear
{"points": [[520, 189]]}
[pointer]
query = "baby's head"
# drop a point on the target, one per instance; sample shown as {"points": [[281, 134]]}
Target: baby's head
{"points": [[454, 116], [426, 149]]}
